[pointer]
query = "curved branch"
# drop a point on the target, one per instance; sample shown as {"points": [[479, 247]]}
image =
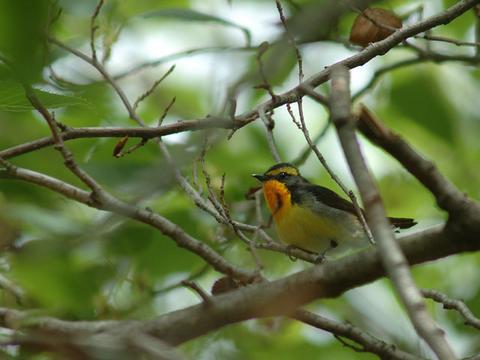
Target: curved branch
{"points": [[448, 197], [105, 201], [458, 305], [368, 342], [280, 297], [374, 50]]}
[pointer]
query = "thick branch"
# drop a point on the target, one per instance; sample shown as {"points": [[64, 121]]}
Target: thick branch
{"points": [[448, 197], [280, 297], [392, 257]]}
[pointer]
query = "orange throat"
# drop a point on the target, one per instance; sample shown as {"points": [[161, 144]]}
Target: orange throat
{"points": [[278, 198]]}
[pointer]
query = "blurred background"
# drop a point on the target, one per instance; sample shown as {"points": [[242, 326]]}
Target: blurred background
{"points": [[80, 263]]}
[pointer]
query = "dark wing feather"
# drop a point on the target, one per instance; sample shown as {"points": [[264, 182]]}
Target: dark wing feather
{"points": [[402, 223], [331, 198]]}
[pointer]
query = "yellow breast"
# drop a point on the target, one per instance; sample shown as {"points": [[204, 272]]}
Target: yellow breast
{"points": [[311, 231], [297, 225]]}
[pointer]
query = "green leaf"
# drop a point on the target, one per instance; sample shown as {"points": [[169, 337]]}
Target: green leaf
{"points": [[193, 15], [418, 97], [53, 276], [154, 254], [12, 98], [22, 29]]}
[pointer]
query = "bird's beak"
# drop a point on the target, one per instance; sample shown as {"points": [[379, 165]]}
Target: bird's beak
{"points": [[260, 177]]}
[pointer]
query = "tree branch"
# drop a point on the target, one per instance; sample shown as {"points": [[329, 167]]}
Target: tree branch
{"points": [[448, 197], [146, 216], [458, 305], [393, 260], [368, 342], [280, 297]]}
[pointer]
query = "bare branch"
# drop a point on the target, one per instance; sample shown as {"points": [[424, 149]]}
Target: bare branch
{"points": [[94, 28], [323, 161], [165, 111], [448, 197], [291, 96], [101, 69], [153, 63], [458, 305], [141, 132], [109, 203], [373, 50], [393, 259], [152, 88], [198, 290], [280, 297], [154, 347], [262, 48], [269, 125], [368, 342], [447, 40], [60, 146]]}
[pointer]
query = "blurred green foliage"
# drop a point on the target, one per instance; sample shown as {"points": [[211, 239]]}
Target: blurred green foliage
{"points": [[79, 263]]}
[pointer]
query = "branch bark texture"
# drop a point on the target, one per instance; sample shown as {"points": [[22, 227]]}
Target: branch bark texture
{"points": [[392, 257]]}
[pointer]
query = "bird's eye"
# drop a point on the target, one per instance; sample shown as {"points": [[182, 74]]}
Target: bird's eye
{"points": [[282, 175]]}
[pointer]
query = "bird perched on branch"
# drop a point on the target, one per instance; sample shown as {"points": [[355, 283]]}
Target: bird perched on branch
{"points": [[312, 217]]}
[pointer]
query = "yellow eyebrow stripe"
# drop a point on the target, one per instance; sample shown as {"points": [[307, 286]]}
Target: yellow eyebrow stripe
{"points": [[288, 170]]}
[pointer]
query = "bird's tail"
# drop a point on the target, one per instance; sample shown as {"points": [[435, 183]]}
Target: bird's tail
{"points": [[402, 223]]}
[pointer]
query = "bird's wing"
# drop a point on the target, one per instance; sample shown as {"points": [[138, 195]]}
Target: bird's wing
{"points": [[330, 198]]}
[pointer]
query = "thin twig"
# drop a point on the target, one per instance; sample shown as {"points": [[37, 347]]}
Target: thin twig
{"points": [[60, 146], [131, 149], [166, 111], [251, 245], [453, 304], [447, 40], [94, 28], [198, 290], [172, 57], [291, 38], [152, 88], [305, 153], [193, 276], [265, 83], [269, 126], [361, 217], [109, 203], [292, 116], [101, 69]]}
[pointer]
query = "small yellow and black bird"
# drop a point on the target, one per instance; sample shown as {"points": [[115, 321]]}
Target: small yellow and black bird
{"points": [[312, 217]]}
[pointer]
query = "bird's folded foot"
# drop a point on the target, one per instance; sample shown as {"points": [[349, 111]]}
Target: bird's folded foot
{"points": [[319, 258]]}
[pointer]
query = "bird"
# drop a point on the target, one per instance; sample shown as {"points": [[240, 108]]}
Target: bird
{"points": [[312, 217]]}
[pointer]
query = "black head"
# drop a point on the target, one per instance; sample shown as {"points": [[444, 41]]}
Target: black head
{"points": [[284, 172]]}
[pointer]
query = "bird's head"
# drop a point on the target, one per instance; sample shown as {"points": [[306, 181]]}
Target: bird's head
{"points": [[284, 173]]}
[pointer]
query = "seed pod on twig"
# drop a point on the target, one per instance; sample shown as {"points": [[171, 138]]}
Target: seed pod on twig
{"points": [[373, 25]]}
